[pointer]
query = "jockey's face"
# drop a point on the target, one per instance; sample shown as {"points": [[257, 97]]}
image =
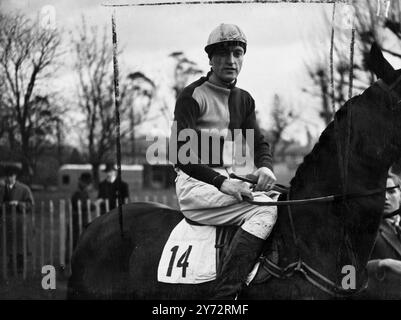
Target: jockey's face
{"points": [[393, 198], [226, 63]]}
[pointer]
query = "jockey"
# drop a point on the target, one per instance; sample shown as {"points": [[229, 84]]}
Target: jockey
{"points": [[214, 107]]}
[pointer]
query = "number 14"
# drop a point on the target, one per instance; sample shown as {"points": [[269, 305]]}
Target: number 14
{"points": [[182, 262]]}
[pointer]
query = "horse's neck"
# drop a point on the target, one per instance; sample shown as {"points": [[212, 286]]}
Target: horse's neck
{"points": [[319, 227], [324, 171]]}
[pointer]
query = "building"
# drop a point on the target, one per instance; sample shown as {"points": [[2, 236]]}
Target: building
{"points": [[68, 175], [156, 175]]}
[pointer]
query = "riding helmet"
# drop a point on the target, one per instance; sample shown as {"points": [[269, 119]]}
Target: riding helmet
{"points": [[225, 33]]}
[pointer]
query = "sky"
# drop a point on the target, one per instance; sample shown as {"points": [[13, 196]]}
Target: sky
{"points": [[282, 39]]}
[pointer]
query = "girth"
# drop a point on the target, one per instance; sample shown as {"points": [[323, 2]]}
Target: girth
{"points": [[224, 235]]}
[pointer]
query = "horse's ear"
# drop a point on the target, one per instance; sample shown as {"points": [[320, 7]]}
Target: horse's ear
{"points": [[379, 65]]}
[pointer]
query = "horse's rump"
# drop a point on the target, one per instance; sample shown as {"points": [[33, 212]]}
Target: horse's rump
{"points": [[102, 257]]}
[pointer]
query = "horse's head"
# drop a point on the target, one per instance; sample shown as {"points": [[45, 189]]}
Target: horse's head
{"points": [[376, 121], [364, 139]]}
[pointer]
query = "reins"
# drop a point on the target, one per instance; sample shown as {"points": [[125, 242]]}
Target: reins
{"points": [[286, 190], [329, 198]]}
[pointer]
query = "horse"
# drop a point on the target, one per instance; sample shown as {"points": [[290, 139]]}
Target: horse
{"points": [[317, 239]]}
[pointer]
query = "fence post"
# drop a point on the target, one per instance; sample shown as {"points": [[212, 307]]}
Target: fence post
{"points": [[51, 212], [62, 233], [42, 231], [107, 205], [3, 219], [97, 204], [70, 242], [14, 228], [24, 253], [147, 198], [79, 217], [33, 234], [88, 210], [165, 200]]}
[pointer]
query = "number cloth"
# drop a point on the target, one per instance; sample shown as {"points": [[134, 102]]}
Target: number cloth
{"points": [[189, 255]]}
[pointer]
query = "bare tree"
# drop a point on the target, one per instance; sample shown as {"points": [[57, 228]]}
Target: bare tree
{"points": [[320, 75], [141, 91], [93, 57], [46, 122], [93, 53], [183, 70], [367, 31], [283, 116], [28, 54], [372, 25]]}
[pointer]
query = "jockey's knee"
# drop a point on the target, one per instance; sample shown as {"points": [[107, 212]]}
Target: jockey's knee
{"points": [[261, 223]]}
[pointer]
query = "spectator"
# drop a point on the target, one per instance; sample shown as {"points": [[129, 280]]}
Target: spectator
{"points": [[384, 268], [14, 194], [82, 196], [108, 189]]}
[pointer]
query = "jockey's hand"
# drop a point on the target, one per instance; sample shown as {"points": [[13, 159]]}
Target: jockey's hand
{"points": [[237, 189], [266, 179], [391, 265]]}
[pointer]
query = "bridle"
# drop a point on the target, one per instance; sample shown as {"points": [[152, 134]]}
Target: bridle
{"points": [[389, 88], [309, 273], [313, 276]]}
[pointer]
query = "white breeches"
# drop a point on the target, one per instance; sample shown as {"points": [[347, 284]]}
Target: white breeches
{"points": [[203, 203]]}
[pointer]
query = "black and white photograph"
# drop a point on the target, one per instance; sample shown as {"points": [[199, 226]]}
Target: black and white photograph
{"points": [[200, 155]]}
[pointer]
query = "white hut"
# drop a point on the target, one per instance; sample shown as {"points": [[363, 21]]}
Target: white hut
{"points": [[68, 175]]}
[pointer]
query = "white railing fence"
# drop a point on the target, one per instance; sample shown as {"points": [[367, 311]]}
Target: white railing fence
{"points": [[46, 233]]}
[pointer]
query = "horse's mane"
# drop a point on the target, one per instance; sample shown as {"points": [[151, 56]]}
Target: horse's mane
{"points": [[322, 226], [310, 170]]}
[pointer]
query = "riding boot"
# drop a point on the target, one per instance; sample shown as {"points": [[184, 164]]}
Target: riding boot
{"points": [[241, 257]]}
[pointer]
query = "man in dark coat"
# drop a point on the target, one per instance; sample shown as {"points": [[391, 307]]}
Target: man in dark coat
{"points": [[79, 201], [384, 268], [13, 192], [15, 196], [108, 189]]}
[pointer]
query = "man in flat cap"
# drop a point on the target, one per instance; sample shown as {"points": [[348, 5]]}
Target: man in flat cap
{"points": [[108, 188], [15, 196]]}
